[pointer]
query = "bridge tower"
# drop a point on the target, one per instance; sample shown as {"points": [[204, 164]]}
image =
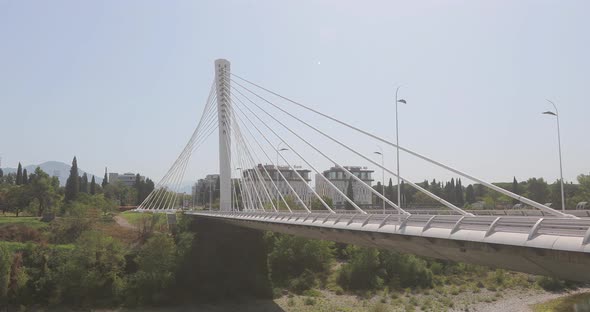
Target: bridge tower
{"points": [[222, 86]]}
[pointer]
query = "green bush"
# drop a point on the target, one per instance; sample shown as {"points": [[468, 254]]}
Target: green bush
{"points": [[551, 284], [293, 261]]}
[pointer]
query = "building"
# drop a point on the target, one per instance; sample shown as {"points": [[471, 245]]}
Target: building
{"points": [[301, 187], [204, 187], [127, 179], [362, 195]]}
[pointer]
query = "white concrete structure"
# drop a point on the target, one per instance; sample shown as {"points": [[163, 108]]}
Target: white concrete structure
{"points": [[301, 188], [558, 247], [222, 77], [362, 196], [127, 178]]}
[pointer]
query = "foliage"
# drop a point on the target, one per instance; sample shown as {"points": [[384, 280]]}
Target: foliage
{"points": [[369, 268], [5, 262], [73, 182], [292, 258], [156, 262], [93, 272]]}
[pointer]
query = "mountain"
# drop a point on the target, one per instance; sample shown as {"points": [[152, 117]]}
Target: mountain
{"points": [[55, 169]]}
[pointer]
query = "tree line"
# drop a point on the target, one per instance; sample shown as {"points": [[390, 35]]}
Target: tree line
{"points": [[38, 193], [455, 192]]}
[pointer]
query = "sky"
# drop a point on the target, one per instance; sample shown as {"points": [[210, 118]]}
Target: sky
{"points": [[122, 84]]}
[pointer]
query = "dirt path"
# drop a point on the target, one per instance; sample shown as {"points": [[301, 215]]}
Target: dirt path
{"points": [[122, 222]]}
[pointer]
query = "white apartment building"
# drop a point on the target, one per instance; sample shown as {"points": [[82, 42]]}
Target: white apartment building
{"points": [[362, 195], [127, 179]]}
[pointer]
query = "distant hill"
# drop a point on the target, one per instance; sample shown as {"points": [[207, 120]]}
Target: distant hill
{"points": [[55, 169]]}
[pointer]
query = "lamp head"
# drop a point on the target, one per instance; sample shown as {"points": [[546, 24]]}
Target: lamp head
{"points": [[402, 101], [549, 113]]}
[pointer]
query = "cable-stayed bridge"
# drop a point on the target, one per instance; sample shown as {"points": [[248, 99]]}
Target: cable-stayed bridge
{"points": [[253, 123]]}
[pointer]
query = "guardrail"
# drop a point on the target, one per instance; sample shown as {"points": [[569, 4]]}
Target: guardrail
{"points": [[530, 225]]}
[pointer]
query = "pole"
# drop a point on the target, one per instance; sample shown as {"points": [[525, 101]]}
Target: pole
{"points": [[560, 163], [210, 196], [399, 203]]}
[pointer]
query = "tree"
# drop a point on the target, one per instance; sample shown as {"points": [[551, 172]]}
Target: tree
{"points": [[1, 173], [5, 262], [43, 189], [72, 184], [84, 183], [156, 264], [584, 181], [469, 194], [25, 177], [17, 199], [92, 186], [537, 190], [19, 174], [515, 189], [350, 195], [94, 270], [459, 199], [105, 179], [139, 186], [316, 204], [389, 190]]}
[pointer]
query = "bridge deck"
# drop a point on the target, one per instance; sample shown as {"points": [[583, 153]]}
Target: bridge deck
{"points": [[539, 245]]}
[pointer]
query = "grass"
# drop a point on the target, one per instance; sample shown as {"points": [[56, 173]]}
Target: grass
{"points": [[562, 304], [136, 217], [33, 222]]}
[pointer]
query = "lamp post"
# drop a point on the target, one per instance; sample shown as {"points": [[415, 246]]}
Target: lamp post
{"points": [[277, 168], [556, 114], [382, 175], [399, 203], [242, 195]]}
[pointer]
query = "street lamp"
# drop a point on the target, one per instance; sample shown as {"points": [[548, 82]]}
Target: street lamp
{"points": [[399, 203], [277, 168], [556, 114], [382, 175], [241, 194]]}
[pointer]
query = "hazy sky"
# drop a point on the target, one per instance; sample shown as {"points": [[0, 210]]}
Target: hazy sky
{"points": [[123, 83]]}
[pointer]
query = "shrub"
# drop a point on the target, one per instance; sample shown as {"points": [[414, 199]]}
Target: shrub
{"points": [[291, 256], [551, 284]]}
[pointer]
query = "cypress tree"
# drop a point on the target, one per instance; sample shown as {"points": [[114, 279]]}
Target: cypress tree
{"points": [[139, 188], [470, 194], [350, 195], [84, 183], [1, 173], [73, 182], [92, 186], [390, 190], [19, 174], [459, 193], [105, 178], [25, 177]]}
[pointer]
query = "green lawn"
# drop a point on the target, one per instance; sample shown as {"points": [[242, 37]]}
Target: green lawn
{"points": [[136, 217], [33, 222]]}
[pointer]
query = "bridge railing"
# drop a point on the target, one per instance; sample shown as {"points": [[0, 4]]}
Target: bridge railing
{"points": [[530, 225]]}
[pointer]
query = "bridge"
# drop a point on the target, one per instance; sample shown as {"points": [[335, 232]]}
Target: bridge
{"points": [[253, 123]]}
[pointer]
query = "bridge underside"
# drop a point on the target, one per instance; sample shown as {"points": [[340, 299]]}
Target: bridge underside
{"points": [[569, 265]]}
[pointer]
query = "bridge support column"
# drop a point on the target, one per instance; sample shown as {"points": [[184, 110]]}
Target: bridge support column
{"points": [[222, 78]]}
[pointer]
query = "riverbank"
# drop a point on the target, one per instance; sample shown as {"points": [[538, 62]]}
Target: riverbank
{"points": [[522, 300]]}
